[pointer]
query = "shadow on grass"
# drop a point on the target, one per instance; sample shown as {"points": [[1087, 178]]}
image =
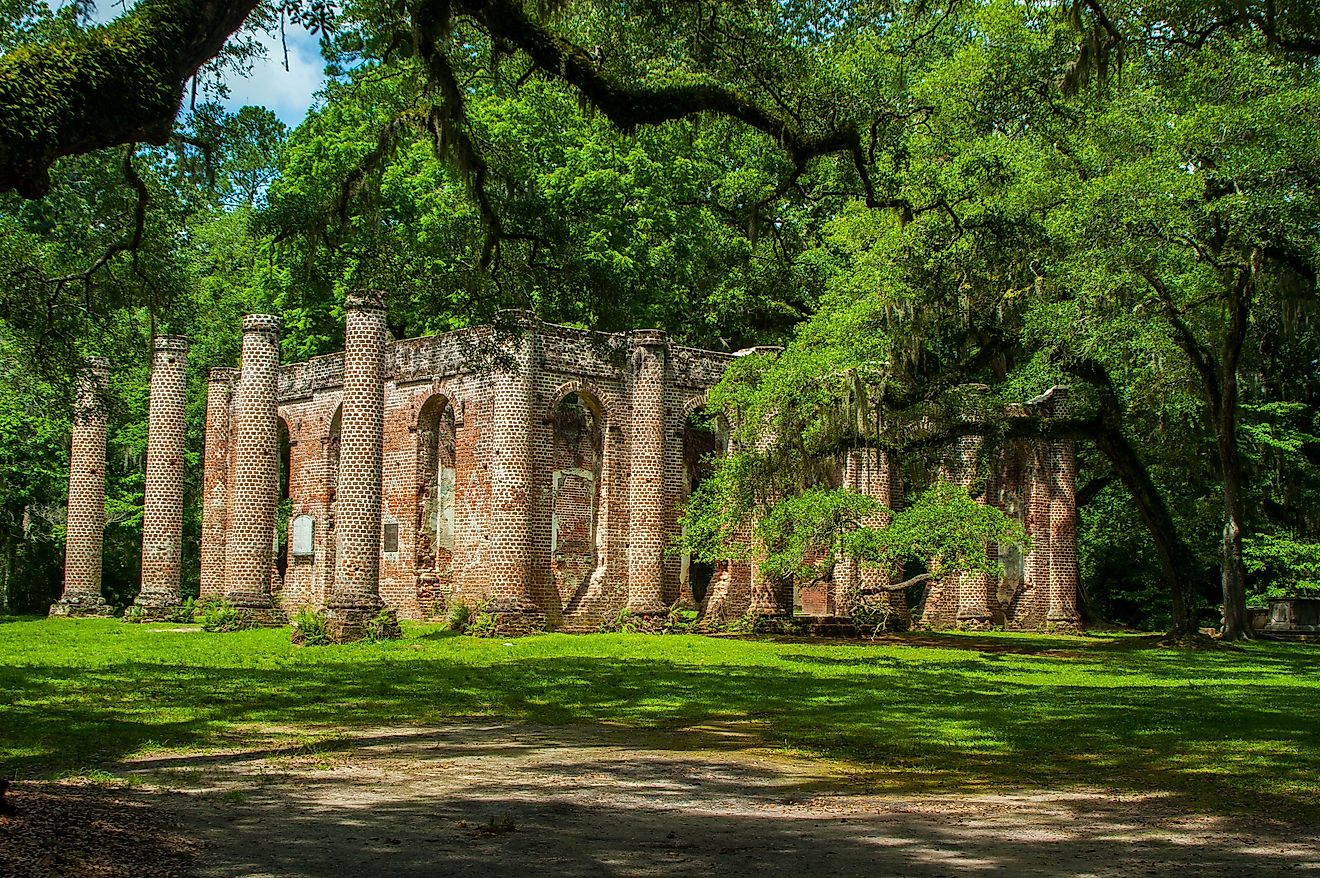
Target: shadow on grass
{"points": [[1236, 732], [566, 806]]}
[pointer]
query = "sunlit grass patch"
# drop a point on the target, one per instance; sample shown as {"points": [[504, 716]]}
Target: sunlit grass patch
{"points": [[1232, 729]]}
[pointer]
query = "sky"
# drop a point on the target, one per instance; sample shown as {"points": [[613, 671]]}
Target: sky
{"points": [[287, 92]]}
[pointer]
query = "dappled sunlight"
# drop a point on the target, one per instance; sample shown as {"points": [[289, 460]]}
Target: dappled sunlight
{"points": [[1239, 734]]}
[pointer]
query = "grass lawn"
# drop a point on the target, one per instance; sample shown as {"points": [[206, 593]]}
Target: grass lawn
{"points": [[1229, 730]]}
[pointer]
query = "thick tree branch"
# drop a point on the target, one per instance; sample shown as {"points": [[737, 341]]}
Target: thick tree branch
{"points": [[628, 106], [110, 85]]}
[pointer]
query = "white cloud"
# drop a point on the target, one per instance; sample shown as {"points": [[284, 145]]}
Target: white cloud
{"points": [[287, 92]]}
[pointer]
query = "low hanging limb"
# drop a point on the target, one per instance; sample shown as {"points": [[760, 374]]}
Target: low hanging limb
{"points": [[111, 85]]}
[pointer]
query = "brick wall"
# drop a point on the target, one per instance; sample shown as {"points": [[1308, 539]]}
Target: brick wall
{"points": [[566, 460]]}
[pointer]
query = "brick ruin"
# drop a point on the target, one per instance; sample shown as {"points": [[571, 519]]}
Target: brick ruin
{"points": [[537, 469]]}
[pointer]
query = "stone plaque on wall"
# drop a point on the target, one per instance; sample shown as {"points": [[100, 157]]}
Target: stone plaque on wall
{"points": [[391, 543], [302, 536]]}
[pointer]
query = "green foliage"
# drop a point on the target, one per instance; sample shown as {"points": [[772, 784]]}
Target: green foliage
{"points": [[185, 613], [309, 628], [624, 622], [944, 529], [218, 615], [1282, 566], [134, 614], [383, 626], [484, 622], [459, 616]]}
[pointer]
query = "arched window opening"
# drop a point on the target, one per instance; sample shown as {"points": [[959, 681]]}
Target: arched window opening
{"points": [[435, 484], [285, 507], [578, 425], [705, 439]]}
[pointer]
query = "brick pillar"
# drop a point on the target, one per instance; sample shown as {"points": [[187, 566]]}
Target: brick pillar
{"points": [[646, 484], [215, 482], [871, 471], [85, 524], [511, 471], [1062, 455], [1032, 606], [162, 508], [356, 594], [973, 587], [254, 493]]}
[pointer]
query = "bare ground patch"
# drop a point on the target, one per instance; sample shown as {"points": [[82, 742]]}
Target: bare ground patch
{"points": [[495, 799]]}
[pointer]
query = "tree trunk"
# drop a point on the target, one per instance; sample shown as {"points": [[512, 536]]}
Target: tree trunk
{"points": [[1176, 558], [1232, 568]]}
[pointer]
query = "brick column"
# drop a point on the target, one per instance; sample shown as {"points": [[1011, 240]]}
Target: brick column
{"points": [[646, 485], [973, 587], [254, 493], [1038, 562], [85, 524], [215, 482], [356, 594], [1062, 456], [511, 474], [871, 472], [162, 509]]}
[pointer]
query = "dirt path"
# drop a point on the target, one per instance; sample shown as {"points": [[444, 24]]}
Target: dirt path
{"points": [[501, 800]]}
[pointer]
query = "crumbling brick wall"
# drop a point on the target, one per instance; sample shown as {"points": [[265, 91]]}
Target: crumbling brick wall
{"points": [[540, 471]]}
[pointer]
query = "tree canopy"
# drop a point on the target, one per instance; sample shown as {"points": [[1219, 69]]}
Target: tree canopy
{"points": [[913, 197]]}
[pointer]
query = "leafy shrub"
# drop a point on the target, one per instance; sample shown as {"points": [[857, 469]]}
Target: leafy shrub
{"points": [[219, 615], [459, 617], [184, 613], [309, 628], [624, 623], [484, 623], [680, 621], [383, 626], [134, 614]]}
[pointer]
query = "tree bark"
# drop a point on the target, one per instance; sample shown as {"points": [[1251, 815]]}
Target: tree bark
{"points": [[121, 83], [1176, 557]]}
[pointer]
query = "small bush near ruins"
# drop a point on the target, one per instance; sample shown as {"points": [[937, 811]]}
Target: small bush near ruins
{"points": [[309, 628], [184, 613], [218, 615], [484, 623], [383, 626], [459, 617]]}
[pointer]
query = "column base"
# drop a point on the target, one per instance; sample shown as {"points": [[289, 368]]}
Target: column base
{"points": [[153, 601], [975, 623], [647, 607], [1064, 624], [81, 606], [353, 624], [261, 617], [519, 624]]}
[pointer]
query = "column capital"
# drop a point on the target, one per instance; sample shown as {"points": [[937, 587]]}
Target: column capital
{"points": [[264, 323], [649, 337], [172, 343], [365, 300], [221, 375], [99, 367]]}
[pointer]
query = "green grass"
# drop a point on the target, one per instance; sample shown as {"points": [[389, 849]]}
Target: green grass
{"points": [[1230, 730]]}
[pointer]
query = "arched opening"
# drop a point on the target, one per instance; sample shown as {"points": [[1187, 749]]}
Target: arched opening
{"points": [[285, 507], [705, 439], [435, 485], [578, 425], [332, 446]]}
